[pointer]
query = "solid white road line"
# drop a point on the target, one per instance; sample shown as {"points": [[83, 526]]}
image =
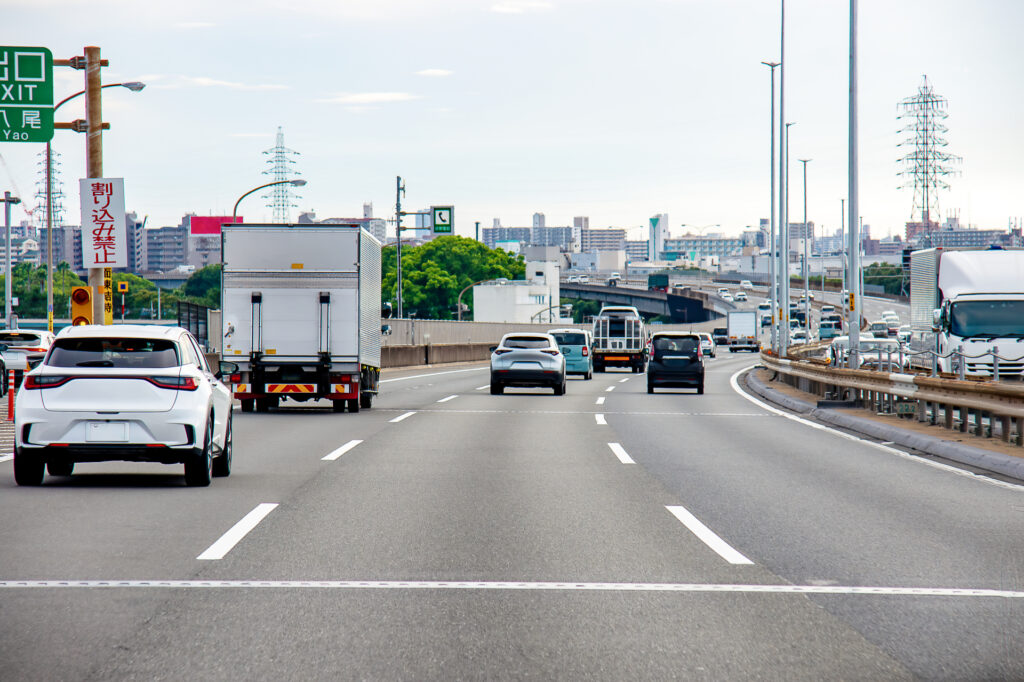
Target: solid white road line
{"points": [[434, 374], [6, 458], [525, 586], [599, 418], [733, 381], [609, 389], [720, 546], [451, 397], [401, 417], [622, 381], [341, 451], [620, 452], [480, 388], [227, 541], [600, 401]]}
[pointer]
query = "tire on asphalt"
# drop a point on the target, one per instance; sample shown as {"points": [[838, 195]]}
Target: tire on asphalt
{"points": [[338, 405], [28, 470], [497, 388], [222, 464], [353, 404], [199, 467], [366, 400], [248, 404]]}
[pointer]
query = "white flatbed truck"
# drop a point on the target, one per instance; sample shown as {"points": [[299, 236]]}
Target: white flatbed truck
{"points": [[301, 314]]}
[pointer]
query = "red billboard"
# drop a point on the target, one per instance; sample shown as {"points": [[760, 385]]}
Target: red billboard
{"points": [[205, 224]]}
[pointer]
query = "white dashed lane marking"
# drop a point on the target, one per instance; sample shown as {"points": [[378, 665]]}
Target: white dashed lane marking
{"points": [[341, 451]]}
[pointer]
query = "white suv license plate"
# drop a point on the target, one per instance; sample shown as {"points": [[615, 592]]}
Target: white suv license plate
{"points": [[106, 432]]}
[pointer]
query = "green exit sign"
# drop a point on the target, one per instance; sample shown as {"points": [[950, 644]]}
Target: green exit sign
{"points": [[26, 94]]}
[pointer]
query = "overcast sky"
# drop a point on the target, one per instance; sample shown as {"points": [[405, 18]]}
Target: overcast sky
{"points": [[610, 109]]}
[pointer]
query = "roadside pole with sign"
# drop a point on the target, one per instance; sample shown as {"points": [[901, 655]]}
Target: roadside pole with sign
{"points": [[122, 288], [104, 236], [26, 94]]}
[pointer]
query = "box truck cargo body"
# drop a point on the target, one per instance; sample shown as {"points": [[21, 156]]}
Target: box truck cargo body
{"points": [[302, 313]]}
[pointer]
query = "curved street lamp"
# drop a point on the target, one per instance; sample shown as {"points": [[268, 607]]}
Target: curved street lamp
{"points": [[293, 183], [134, 86], [458, 304], [700, 233]]}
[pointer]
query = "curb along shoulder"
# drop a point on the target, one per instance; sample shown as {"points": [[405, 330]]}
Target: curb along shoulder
{"points": [[995, 462]]}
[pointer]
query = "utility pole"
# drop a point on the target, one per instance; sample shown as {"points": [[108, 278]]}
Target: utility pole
{"points": [[399, 191], [854, 315], [807, 259], [783, 268], [842, 245], [94, 164], [8, 201], [478, 230], [772, 246], [49, 238]]}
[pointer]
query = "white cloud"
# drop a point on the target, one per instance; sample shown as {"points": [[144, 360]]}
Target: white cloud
{"points": [[434, 72], [194, 24], [371, 98], [521, 6]]}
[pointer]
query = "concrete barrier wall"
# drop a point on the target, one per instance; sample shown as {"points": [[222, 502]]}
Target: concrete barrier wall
{"points": [[458, 352], [403, 356]]}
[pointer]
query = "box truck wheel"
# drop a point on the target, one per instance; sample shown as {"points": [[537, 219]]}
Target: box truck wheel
{"points": [[353, 404], [248, 404], [366, 400], [337, 405]]}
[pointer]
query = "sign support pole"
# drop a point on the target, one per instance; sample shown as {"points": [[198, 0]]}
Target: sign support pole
{"points": [[94, 161]]}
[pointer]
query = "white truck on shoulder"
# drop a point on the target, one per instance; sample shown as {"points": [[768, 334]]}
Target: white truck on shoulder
{"points": [[301, 314], [969, 303], [619, 339], [742, 329]]}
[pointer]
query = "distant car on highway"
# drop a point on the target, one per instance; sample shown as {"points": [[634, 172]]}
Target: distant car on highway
{"points": [[798, 335], [746, 284], [134, 393], [575, 345], [827, 310], [722, 291], [22, 349], [879, 328], [829, 329], [726, 296], [904, 334], [573, 279], [676, 361], [740, 296], [720, 335], [584, 279], [527, 359], [707, 344]]}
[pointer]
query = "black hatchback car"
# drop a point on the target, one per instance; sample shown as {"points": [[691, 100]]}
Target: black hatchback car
{"points": [[676, 362]]}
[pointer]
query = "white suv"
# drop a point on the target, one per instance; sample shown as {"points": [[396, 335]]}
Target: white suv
{"points": [[128, 392]]}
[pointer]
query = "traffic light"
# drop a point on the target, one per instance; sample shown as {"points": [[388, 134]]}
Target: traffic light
{"points": [[81, 306]]}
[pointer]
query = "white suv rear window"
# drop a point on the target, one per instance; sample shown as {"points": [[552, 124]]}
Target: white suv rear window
{"points": [[114, 352]]}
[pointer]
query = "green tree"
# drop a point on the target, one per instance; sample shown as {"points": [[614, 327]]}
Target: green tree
{"points": [[885, 275], [434, 273]]}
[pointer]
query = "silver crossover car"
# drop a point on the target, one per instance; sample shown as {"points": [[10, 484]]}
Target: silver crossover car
{"points": [[527, 359]]}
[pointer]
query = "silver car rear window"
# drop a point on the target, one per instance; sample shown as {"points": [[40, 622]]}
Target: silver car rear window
{"points": [[19, 338], [114, 352], [526, 342]]}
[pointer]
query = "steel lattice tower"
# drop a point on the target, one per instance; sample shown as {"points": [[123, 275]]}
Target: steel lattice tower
{"points": [[281, 169], [56, 188], [928, 163]]}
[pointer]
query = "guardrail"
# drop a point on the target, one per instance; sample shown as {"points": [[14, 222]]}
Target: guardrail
{"points": [[983, 408]]}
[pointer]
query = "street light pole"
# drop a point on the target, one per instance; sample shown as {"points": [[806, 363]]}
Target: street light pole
{"points": [[807, 259], [8, 201], [399, 191], [134, 86], [854, 244], [458, 304], [94, 158], [294, 183], [772, 257], [784, 251], [783, 267]]}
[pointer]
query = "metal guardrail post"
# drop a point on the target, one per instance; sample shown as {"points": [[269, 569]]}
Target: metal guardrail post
{"points": [[995, 363], [935, 363], [962, 362]]}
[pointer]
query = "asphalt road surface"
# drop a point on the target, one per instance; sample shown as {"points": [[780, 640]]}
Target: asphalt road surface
{"points": [[451, 534]]}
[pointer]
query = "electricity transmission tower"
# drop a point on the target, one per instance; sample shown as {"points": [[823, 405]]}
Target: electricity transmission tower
{"points": [[281, 196], [927, 164], [56, 191]]}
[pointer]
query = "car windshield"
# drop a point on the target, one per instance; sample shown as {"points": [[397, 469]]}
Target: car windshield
{"points": [[570, 338], [526, 342], [987, 318], [678, 344], [114, 352], [20, 338]]}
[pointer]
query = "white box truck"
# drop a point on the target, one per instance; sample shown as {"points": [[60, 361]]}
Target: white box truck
{"points": [[302, 314], [619, 339], [741, 326], [971, 299]]}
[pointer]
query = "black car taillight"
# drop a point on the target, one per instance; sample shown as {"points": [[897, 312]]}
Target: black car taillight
{"points": [[550, 351], [502, 351], [33, 381]]}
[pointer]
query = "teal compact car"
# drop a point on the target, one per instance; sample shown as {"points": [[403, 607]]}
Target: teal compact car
{"points": [[575, 345]]}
